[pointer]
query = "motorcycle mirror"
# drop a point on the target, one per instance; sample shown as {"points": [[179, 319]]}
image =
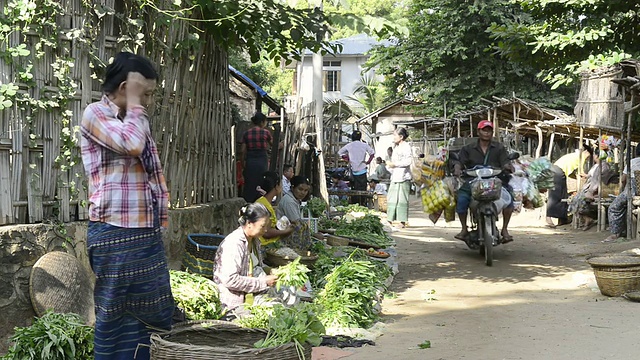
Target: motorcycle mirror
{"points": [[513, 155]]}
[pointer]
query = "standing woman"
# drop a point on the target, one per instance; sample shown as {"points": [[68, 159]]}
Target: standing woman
{"points": [[398, 195], [127, 207], [256, 143]]}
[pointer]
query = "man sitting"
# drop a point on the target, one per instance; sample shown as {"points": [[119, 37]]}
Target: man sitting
{"points": [[483, 152]]}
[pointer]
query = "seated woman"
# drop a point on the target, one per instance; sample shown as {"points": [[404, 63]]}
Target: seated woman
{"points": [[289, 206], [236, 265], [270, 187], [582, 203]]}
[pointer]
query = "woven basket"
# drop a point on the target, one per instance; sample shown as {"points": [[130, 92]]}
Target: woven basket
{"points": [[380, 203], [200, 252], [616, 275], [213, 339]]}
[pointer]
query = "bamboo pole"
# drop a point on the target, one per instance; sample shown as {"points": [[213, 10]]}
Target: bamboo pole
{"points": [[600, 222], [630, 233], [540, 139], [551, 140]]}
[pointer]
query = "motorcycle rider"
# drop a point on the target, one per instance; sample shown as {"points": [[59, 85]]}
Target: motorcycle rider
{"points": [[487, 152]]}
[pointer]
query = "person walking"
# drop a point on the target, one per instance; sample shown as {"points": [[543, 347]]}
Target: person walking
{"points": [[398, 194], [359, 155], [256, 143], [128, 201]]}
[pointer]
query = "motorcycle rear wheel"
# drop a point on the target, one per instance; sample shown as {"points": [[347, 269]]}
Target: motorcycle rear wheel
{"points": [[487, 234]]}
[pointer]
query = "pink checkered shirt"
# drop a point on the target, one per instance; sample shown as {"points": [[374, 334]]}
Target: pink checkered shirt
{"points": [[121, 191]]}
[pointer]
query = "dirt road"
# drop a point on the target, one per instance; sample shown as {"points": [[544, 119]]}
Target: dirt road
{"points": [[538, 301]]}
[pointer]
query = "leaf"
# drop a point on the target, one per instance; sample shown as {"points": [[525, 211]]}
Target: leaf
{"points": [[425, 345]]}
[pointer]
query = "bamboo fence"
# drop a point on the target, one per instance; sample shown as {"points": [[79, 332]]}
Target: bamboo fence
{"points": [[191, 118]]}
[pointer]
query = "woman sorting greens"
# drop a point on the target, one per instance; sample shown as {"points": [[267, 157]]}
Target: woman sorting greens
{"points": [[237, 264], [398, 195], [270, 187], [289, 206]]}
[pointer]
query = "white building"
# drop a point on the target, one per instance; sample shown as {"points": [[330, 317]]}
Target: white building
{"points": [[341, 72]]}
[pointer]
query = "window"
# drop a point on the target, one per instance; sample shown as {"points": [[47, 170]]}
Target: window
{"points": [[331, 75]]}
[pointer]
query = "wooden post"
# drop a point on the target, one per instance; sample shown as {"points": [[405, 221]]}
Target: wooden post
{"points": [[631, 232], [580, 160], [458, 120], [496, 130], [471, 126], [551, 140], [600, 222], [540, 138]]}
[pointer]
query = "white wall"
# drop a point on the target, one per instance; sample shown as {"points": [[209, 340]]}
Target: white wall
{"points": [[351, 68]]}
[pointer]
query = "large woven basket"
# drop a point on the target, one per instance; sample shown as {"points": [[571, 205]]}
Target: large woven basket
{"points": [[616, 275], [200, 252], [213, 339]]}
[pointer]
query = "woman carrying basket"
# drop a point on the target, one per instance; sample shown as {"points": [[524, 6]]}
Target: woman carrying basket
{"points": [[127, 207]]}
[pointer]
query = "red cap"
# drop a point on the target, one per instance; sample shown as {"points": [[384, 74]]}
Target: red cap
{"points": [[484, 123]]}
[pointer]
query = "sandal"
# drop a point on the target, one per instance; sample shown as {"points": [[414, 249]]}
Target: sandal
{"points": [[507, 239], [462, 237]]}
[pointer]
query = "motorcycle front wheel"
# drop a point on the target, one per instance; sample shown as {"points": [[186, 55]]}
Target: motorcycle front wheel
{"points": [[487, 234]]}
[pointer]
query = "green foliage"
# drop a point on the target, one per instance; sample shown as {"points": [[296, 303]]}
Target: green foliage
{"points": [[51, 337], [446, 58], [196, 295], [316, 206], [369, 93], [275, 81], [564, 38], [258, 26], [293, 274]]}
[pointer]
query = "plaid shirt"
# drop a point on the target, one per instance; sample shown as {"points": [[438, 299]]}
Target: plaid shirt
{"points": [[123, 168], [257, 139]]}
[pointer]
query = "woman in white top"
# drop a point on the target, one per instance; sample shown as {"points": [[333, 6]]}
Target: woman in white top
{"points": [[398, 195]]}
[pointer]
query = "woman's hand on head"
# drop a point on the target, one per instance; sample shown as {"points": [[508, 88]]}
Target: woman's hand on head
{"points": [[136, 87]]}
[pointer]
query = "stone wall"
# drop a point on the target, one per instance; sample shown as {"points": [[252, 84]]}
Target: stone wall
{"points": [[22, 245]]}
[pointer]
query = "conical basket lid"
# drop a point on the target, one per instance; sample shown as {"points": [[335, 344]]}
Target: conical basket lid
{"points": [[58, 282], [614, 261]]}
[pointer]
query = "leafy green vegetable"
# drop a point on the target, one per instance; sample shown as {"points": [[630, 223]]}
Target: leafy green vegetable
{"points": [[367, 229], [259, 318], [298, 324], [196, 295], [52, 337], [425, 345], [293, 274], [348, 297], [316, 206]]}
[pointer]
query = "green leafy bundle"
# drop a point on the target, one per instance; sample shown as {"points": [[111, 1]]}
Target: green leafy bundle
{"points": [[367, 229], [327, 262], [348, 297], [51, 337], [299, 324], [196, 295], [293, 274], [259, 319], [316, 206]]}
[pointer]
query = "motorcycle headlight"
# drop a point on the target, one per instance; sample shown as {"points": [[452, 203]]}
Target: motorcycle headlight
{"points": [[484, 172]]}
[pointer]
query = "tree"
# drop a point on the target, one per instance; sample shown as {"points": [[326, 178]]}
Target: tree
{"points": [[369, 93], [564, 38], [446, 58]]}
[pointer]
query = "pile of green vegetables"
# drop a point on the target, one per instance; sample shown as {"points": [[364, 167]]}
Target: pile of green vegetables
{"points": [[348, 297], [196, 295], [298, 324], [51, 337], [366, 229], [316, 206], [327, 261]]}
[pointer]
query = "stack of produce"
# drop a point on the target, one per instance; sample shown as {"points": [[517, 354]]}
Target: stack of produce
{"points": [[367, 229], [436, 197], [432, 170], [196, 295], [540, 173]]}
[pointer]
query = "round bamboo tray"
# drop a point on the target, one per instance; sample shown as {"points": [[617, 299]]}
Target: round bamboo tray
{"points": [[213, 339]]}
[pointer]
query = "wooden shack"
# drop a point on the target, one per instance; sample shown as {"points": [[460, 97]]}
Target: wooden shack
{"points": [[600, 102]]}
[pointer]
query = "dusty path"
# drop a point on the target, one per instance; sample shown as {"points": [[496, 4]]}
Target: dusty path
{"points": [[538, 301]]}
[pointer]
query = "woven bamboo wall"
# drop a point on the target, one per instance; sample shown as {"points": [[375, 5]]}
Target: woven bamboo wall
{"points": [[191, 119], [600, 103]]}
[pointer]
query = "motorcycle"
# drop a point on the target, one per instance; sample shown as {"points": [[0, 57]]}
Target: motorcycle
{"points": [[489, 198]]}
